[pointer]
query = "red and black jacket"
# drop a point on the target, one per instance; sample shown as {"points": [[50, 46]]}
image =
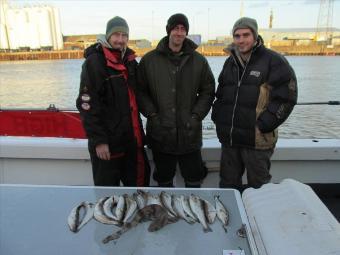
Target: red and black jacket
{"points": [[106, 99]]}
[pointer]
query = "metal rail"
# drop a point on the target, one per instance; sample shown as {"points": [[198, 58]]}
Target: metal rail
{"points": [[53, 108], [317, 103]]}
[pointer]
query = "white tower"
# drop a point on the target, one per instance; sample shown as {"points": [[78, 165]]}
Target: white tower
{"points": [[33, 27], [4, 43]]}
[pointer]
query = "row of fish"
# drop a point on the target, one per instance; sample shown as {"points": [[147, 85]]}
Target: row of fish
{"points": [[127, 211]]}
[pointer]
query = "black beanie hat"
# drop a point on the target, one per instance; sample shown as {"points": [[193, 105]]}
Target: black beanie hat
{"points": [[177, 19]]}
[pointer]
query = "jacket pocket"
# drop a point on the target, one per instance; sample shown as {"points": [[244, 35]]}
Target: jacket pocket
{"points": [[215, 109], [194, 131], [223, 134], [154, 129], [265, 140], [222, 112], [119, 135]]}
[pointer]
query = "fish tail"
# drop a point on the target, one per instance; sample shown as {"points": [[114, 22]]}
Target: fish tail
{"points": [[225, 228], [189, 221], [207, 229], [116, 235], [172, 219], [74, 229], [109, 238]]}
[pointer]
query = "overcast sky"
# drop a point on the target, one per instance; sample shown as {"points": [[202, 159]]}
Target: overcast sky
{"points": [[147, 19]]}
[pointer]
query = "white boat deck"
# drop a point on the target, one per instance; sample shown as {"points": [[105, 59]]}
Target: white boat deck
{"points": [[279, 219], [56, 239], [65, 161], [298, 226]]}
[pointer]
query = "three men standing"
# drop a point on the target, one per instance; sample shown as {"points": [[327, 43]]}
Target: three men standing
{"points": [[256, 93], [175, 93]]}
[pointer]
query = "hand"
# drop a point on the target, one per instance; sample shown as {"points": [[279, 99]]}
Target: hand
{"points": [[103, 151]]}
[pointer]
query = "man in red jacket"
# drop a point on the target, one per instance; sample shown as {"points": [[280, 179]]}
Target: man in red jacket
{"points": [[109, 112]]}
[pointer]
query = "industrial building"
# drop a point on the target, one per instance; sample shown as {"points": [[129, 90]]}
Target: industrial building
{"points": [[196, 38], [285, 37], [299, 36], [139, 44], [29, 28]]}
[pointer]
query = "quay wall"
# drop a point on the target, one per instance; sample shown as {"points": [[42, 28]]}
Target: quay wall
{"points": [[41, 55], [299, 50]]}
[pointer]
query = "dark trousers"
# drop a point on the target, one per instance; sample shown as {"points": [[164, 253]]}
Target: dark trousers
{"points": [[121, 169], [234, 161], [191, 166]]}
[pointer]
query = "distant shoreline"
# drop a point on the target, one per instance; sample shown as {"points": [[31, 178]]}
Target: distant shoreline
{"points": [[206, 51]]}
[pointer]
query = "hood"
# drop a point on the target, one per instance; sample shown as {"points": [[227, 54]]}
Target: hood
{"points": [[102, 40], [94, 48], [97, 47], [187, 48]]}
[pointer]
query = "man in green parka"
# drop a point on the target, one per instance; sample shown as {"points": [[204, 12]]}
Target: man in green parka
{"points": [[176, 90]]}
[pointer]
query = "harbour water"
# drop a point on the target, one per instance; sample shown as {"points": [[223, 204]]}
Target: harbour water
{"points": [[36, 84]]}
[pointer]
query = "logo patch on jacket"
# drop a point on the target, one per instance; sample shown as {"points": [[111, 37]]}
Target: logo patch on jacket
{"points": [[85, 106], [85, 97], [255, 73]]}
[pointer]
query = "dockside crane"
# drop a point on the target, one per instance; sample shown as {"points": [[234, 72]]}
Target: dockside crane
{"points": [[271, 18], [241, 9], [324, 33]]}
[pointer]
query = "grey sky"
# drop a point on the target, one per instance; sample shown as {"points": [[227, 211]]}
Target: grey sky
{"points": [[147, 19]]}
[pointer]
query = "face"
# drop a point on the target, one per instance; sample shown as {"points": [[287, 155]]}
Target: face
{"points": [[118, 40], [244, 40], [177, 35]]}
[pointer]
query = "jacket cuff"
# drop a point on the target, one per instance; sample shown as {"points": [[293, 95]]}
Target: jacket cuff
{"points": [[97, 141], [263, 127]]}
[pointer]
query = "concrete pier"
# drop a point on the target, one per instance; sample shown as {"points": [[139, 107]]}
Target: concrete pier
{"points": [[313, 50]]}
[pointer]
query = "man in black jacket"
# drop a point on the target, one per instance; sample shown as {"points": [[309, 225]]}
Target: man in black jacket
{"points": [[109, 112], [175, 93], [256, 93]]}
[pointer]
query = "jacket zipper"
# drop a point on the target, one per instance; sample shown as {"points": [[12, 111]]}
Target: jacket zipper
{"points": [[239, 81]]}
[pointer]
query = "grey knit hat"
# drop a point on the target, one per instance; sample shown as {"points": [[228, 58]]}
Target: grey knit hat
{"points": [[246, 22], [177, 19], [116, 24]]}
